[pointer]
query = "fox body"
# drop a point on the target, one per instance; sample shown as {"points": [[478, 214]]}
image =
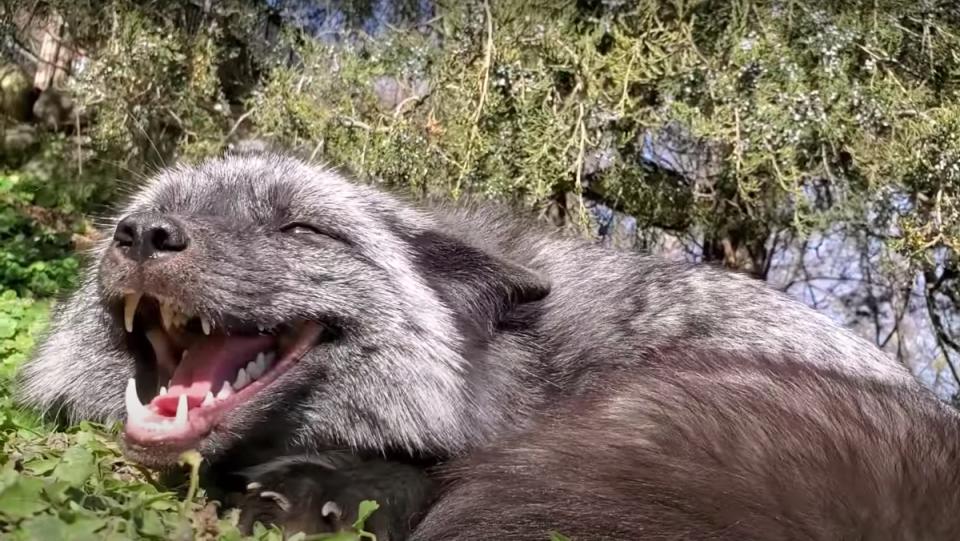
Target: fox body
{"points": [[514, 379]]}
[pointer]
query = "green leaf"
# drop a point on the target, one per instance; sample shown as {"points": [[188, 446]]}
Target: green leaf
{"points": [[56, 491], [338, 536], [8, 326], [43, 527], [367, 507], [76, 466], [22, 498], [40, 466], [48, 527], [152, 525]]}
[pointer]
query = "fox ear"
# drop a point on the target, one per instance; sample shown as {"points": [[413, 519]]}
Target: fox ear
{"points": [[480, 286]]}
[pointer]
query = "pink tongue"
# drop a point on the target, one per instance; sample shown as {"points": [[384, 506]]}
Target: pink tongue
{"points": [[209, 363]]}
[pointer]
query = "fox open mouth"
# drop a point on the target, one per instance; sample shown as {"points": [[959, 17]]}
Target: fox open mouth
{"points": [[209, 369]]}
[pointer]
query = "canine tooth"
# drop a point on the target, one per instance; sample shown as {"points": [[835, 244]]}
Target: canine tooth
{"points": [[135, 409], [205, 323], [162, 349], [131, 301], [166, 315], [225, 391], [242, 379], [253, 370], [163, 390], [262, 363], [182, 409], [207, 400]]}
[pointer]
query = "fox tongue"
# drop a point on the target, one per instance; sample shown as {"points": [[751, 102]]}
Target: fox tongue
{"points": [[206, 365]]}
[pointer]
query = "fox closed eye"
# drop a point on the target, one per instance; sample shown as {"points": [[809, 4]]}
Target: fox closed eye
{"points": [[300, 228], [307, 229]]}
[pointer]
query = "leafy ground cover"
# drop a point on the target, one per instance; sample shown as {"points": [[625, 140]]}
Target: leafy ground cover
{"points": [[74, 484]]}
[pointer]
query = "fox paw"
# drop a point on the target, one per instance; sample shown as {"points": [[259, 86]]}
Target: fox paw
{"points": [[322, 494]]}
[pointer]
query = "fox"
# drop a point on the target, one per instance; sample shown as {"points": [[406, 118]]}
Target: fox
{"points": [[321, 341]]}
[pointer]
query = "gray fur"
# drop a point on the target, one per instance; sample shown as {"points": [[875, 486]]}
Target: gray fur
{"points": [[457, 325], [716, 446]]}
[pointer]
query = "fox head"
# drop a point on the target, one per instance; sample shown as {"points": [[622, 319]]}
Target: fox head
{"points": [[255, 293]]}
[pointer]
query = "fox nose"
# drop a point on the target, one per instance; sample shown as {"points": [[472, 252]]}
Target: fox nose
{"points": [[144, 235]]}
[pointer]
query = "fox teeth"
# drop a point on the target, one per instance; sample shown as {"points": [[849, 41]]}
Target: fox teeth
{"points": [[207, 400], [262, 364], [161, 347], [135, 409], [130, 303], [242, 380], [182, 409], [225, 392], [163, 390], [166, 315], [205, 323], [253, 368]]}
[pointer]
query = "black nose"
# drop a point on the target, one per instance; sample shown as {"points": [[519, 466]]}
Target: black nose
{"points": [[149, 234]]}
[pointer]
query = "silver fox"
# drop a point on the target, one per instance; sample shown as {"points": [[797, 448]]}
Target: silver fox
{"points": [[325, 338]]}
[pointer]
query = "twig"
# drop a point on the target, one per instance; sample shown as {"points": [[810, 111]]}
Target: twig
{"points": [[737, 145], [76, 116], [399, 108], [316, 150], [487, 60], [484, 82], [626, 81], [237, 123], [581, 127], [943, 339]]}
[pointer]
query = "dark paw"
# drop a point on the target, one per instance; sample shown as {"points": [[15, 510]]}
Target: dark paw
{"points": [[320, 494]]}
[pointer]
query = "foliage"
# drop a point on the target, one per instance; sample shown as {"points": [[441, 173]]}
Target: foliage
{"points": [[153, 86], [76, 485], [735, 122], [21, 321], [35, 251], [796, 104], [745, 128]]}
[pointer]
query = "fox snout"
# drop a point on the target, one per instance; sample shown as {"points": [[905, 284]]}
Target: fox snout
{"points": [[143, 236]]}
